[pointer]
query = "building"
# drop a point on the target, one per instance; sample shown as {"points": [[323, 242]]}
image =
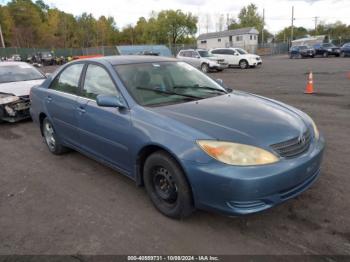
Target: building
{"points": [[246, 38], [309, 40]]}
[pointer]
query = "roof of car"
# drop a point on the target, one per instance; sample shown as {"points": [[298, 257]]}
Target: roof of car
{"points": [[134, 59]]}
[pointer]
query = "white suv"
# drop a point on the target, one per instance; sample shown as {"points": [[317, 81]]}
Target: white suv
{"points": [[202, 59], [237, 57]]}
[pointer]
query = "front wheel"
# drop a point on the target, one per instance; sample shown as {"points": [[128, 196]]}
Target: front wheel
{"points": [[342, 54], [243, 64], [325, 54], [205, 68], [167, 186], [50, 138]]}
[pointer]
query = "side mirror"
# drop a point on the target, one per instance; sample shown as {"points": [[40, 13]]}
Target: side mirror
{"points": [[221, 82], [109, 101], [197, 56]]}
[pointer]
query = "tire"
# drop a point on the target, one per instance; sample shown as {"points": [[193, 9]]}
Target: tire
{"points": [[300, 56], [219, 70], [205, 68], [342, 54], [167, 186], [325, 54], [51, 140], [2, 114], [243, 64]]}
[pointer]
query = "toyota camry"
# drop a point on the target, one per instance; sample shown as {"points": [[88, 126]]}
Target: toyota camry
{"points": [[190, 141]]}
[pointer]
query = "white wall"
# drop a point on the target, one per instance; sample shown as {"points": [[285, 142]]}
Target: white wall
{"points": [[246, 43]]}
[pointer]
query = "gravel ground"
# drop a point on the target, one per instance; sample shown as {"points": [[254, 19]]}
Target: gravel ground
{"points": [[73, 205]]}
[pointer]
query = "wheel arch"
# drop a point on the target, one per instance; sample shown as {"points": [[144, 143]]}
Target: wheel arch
{"points": [[148, 150], [42, 116], [243, 59]]}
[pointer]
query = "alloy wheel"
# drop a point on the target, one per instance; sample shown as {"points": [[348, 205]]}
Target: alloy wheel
{"points": [[49, 136]]}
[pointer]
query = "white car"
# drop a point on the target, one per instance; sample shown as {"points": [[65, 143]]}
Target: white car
{"points": [[16, 80], [237, 57], [202, 59]]}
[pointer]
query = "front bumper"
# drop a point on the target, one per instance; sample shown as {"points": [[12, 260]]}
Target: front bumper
{"points": [[244, 190], [15, 112], [218, 66]]}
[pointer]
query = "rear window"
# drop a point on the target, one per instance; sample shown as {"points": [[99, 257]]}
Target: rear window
{"points": [[17, 73]]}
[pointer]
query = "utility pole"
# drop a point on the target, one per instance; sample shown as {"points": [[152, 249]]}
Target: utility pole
{"points": [[262, 33], [2, 39], [316, 20], [292, 29]]}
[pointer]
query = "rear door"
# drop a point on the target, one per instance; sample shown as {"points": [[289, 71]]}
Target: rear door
{"points": [[61, 102], [104, 132]]}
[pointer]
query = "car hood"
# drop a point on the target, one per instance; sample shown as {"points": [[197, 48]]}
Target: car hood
{"points": [[21, 88], [250, 56], [239, 117]]}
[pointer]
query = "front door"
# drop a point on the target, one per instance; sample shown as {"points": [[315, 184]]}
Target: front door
{"points": [[105, 132]]}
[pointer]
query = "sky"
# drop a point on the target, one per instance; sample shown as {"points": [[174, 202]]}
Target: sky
{"points": [[277, 12]]}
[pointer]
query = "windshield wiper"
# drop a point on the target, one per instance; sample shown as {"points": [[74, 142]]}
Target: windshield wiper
{"points": [[168, 92], [202, 87]]}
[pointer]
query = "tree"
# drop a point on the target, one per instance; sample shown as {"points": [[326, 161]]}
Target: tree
{"points": [[7, 24], [175, 24], [249, 17], [285, 34]]}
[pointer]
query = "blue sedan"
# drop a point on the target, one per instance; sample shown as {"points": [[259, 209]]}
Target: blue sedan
{"points": [[345, 50], [190, 141]]}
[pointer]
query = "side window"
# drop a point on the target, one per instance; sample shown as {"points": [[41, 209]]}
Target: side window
{"points": [[68, 80], [216, 52], [98, 82], [194, 54]]}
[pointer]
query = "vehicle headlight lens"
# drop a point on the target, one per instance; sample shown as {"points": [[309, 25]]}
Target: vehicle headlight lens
{"points": [[237, 154], [6, 99], [316, 132]]}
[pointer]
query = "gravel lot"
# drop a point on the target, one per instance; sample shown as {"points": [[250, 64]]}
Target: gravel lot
{"points": [[73, 205]]}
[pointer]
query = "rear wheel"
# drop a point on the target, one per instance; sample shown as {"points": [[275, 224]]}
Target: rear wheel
{"points": [[342, 54], [50, 138], [167, 186], [2, 114], [205, 68], [243, 64], [325, 54]]}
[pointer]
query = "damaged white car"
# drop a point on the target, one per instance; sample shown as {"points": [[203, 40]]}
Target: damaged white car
{"points": [[16, 80]]}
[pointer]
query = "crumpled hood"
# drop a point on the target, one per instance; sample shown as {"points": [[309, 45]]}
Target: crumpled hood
{"points": [[19, 88], [239, 117]]}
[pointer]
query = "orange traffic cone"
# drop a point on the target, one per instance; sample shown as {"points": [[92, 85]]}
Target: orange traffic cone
{"points": [[310, 84]]}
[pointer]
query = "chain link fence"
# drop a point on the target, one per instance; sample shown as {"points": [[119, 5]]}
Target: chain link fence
{"points": [[65, 52]]}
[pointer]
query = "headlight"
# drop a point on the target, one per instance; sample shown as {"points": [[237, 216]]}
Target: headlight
{"points": [[329, 50], [6, 99], [316, 132], [237, 154]]}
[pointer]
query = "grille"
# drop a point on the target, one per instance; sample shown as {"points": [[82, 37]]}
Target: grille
{"points": [[294, 147]]}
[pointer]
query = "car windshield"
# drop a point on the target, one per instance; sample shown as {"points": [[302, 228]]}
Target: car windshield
{"points": [[204, 53], [241, 51], [164, 83], [16, 73]]}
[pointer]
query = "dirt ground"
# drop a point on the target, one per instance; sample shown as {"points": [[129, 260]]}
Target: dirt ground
{"points": [[73, 205]]}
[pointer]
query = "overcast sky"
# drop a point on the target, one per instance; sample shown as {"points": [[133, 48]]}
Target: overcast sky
{"points": [[277, 12]]}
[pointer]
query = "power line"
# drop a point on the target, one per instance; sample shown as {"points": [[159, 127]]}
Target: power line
{"points": [[316, 20]]}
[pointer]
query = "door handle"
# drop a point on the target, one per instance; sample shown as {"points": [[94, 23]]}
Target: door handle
{"points": [[49, 99], [81, 110]]}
